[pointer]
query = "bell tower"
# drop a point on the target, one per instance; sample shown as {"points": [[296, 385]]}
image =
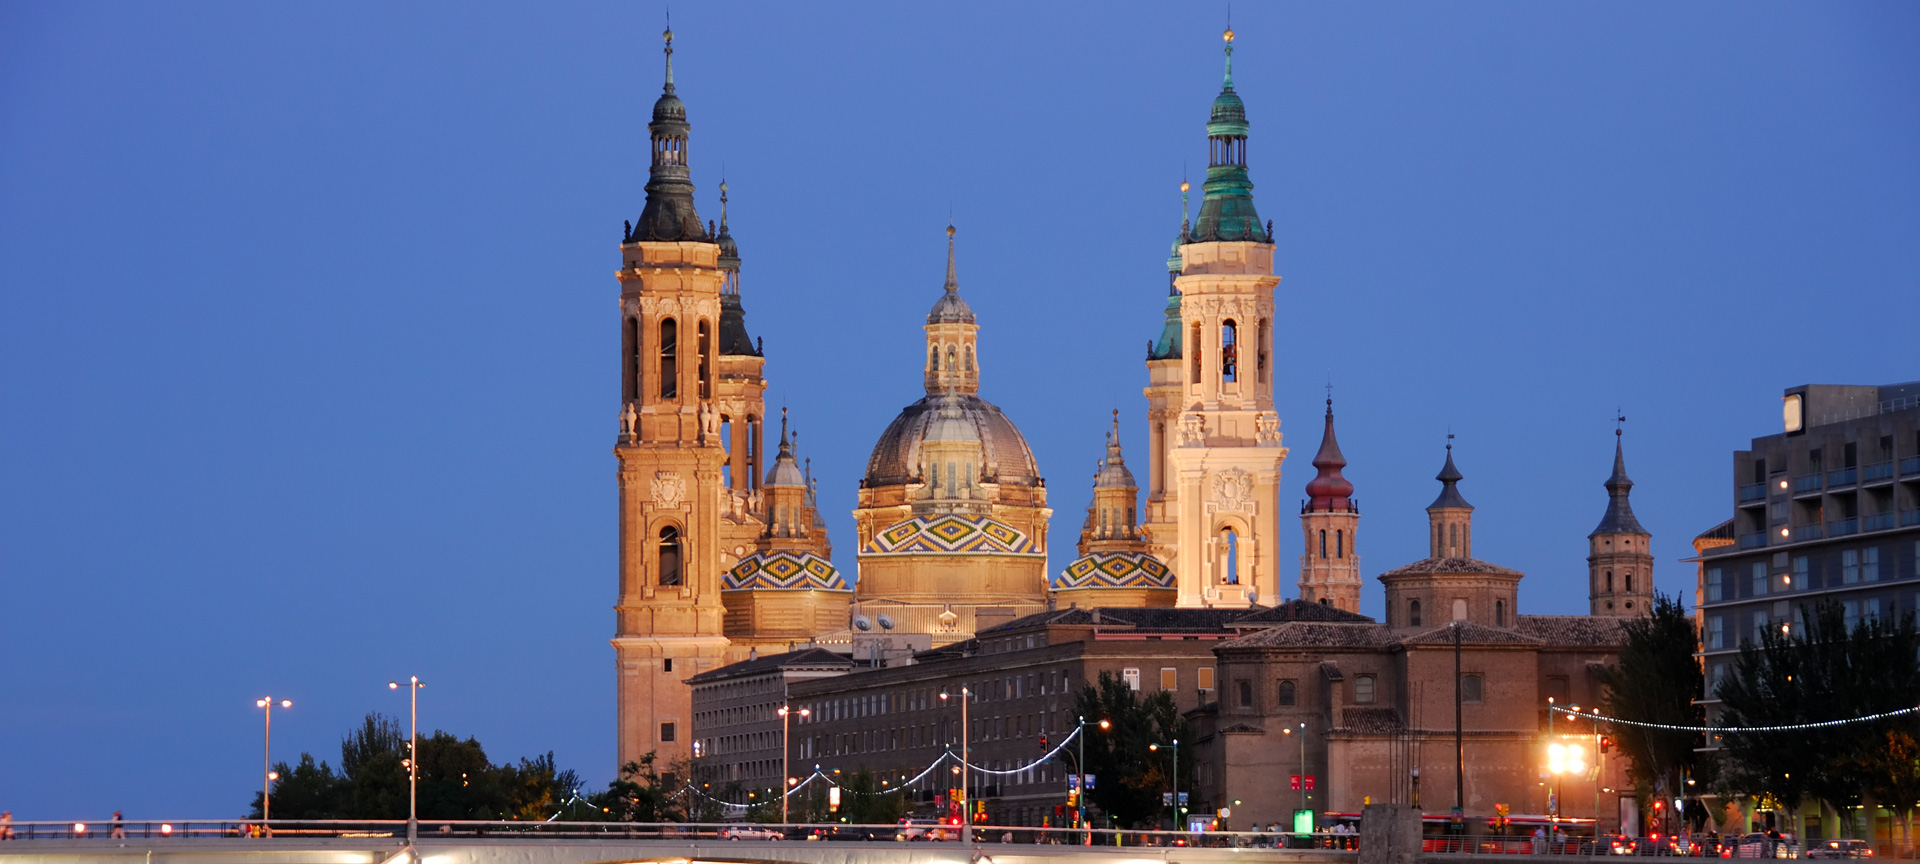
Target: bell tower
{"points": [[1225, 456], [1329, 564], [670, 458], [1619, 551]]}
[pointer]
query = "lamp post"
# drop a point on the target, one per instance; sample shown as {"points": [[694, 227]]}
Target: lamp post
{"points": [[1302, 727], [266, 768], [786, 772], [966, 797], [413, 755], [1175, 780]]}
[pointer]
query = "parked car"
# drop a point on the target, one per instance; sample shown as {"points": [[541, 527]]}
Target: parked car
{"points": [[1761, 846], [750, 832], [1841, 849], [861, 832], [924, 829]]}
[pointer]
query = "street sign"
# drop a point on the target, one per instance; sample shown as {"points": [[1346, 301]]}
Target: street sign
{"points": [[1309, 782], [1295, 784]]}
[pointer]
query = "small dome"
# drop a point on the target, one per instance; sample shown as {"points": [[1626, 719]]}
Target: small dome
{"points": [[950, 309], [1228, 110], [1115, 570], [1004, 453], [784, 571], [669, 109]]}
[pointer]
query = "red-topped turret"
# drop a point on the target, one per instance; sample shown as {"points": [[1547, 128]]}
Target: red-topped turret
{"points": [[1329, 490]]}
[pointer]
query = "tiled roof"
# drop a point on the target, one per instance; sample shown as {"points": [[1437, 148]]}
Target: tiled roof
{"points": [[1316, 634], [1148, 620], [783, 571], [1370, 721], [1300, 610], [771, 662], [1243, 729], [1451, 565], [951, 534], [1574, 629], [1115, 570], [1470, 634]]}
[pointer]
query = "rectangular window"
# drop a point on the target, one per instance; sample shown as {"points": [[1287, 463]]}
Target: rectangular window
{"points": [[1852, 608], [1471, 688], [1798, 582], [1132, 677], [1760, 624], [1713, 585], [666, 733], [1363, 690], [1716, 633], [1558, 688], [1205, 677], [1873, 608], [1169, 678], [666, 665], [1849, 566], [1870, 564], [1760, 579]]}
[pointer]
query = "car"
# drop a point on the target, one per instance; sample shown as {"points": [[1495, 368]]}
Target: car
{"points": [[750, 832], [1761, 846], [924, 829], [861, 832], [1841, 849]]}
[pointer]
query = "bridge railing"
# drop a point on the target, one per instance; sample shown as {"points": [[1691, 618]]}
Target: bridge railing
{"points": [[388, 829]]}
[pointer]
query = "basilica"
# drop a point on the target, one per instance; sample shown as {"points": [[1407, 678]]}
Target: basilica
{"points": [[724, 557]]}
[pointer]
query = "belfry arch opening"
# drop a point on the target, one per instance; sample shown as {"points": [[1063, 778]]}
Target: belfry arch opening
{"points": [[706, 366], [630, 341], [1229, 352], [669, 556], [669, 359]]}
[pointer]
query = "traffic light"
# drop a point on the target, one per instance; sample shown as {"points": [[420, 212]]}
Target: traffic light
{"points": [[1043, 743], [1606, 743]]}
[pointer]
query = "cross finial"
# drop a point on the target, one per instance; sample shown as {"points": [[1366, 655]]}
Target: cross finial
{"points": [[1619, 417]]}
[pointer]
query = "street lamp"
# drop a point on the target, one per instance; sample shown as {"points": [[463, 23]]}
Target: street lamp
{"points": [[266, 769], [786, 773], [413, 755], [1175, 781], [966, 796], [1303, 762]]}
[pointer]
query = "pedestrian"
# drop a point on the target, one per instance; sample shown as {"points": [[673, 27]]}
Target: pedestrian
{"points": [[119, 830], [6, 824]]}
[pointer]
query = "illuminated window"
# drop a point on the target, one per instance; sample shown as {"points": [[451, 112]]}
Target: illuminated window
{"points": [[1204, 680], [1169, 678], [1132, 677]]}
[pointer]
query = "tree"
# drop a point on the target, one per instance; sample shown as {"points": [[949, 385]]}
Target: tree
{"points": [[1129, 776], [865, 802], [1822, 671], [1657, 680], [643, 794]]}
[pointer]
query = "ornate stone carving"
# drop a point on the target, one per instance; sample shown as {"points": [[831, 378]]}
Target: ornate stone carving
{"points": [[1233, 490], [1266, 427], [1193, 430], [627, 421], [668, 488], [630, 307]]}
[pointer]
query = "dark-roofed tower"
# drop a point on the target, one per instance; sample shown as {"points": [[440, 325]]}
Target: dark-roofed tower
{"points": [[1450, 584], [1329, 565], [669, 214], [1619, 551], [1450, 516]]}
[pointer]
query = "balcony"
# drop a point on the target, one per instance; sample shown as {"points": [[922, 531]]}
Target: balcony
{"points": [[1843, 527], [1807, 532], [1910, 466], [1908, 519], [1842, 477], [1755, 541], [1879, 522], [1807, 483], [1754, 492], [1877, 472]]}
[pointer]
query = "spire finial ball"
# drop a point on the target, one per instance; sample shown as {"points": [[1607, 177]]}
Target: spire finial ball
{"points": [[668, 35], [949, 229], [1184, 186], [723, 187], [1228, 35]]}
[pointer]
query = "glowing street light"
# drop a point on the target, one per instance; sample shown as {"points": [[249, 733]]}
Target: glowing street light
{"points": [[266, 767], [413, 756], [786, 772]]}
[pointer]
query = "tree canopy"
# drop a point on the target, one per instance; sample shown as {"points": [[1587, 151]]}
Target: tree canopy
{"points": [[1657, 680], [1129, 776]]}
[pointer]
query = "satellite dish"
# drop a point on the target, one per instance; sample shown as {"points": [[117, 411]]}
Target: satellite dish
{"points": [[861, 623], [886, 622]]}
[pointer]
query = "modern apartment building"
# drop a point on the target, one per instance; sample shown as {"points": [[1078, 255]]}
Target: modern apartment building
{"points": [[1827, 509]]}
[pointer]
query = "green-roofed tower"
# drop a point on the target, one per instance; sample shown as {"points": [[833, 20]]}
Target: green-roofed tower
{"points": [[1226, 203]]}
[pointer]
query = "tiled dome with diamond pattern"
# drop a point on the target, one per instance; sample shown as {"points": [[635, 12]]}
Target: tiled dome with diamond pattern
{"points": [[1115, 570], [783, 571], [951, 535]]}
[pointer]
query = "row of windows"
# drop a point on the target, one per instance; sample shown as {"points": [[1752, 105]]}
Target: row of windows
{"points": [[1809, 572], [1725, 632], [1229, 353], [929, 698], [634, 375], [955, 360], [1416, 618], [1339, 543]]}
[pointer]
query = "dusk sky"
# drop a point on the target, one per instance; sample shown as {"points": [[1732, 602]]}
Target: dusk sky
{"points": [[308, 323]]}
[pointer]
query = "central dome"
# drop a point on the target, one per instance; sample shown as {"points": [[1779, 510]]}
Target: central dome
{"points": [[896, 458]]}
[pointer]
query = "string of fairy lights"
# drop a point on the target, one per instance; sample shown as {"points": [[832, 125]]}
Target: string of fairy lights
{"points": [[1738, 730], [943, 758]]}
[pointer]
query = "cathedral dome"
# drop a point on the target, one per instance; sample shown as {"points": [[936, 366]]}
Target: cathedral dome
{"points": [[1115, 570], [1006, 456]]}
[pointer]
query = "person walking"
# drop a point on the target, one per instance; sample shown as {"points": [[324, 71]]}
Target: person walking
{"points": [[6, 824], [119, 828]]}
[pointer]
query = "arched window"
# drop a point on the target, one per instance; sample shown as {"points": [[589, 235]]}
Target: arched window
{"points": [[1230, 553], [950, 364], [1629, 581], [705, 366], [1229, 353], [1459, 609], [1413, 613], [1193, 346], [1609, 581], [1323, 543], [630, 392], [1289, 693], [1363, 690], [1260, 349], [969, 356], [1499, 613], [1339, 543], [933, 358], [1246, 692], [669, 555], [1453, 538], [669, 359]]}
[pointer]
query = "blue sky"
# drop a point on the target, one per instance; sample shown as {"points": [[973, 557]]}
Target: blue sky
{"points": [[308, 329]]}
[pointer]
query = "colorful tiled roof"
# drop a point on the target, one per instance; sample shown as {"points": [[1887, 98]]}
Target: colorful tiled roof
{"points": [[783, 571], [1115, 570], [951, 534]]}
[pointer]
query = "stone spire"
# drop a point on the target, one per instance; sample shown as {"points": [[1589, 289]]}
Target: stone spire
{"points": [[1226, 205], [950, 309], [669, 215], [1329, 490], [1449, 477]]}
